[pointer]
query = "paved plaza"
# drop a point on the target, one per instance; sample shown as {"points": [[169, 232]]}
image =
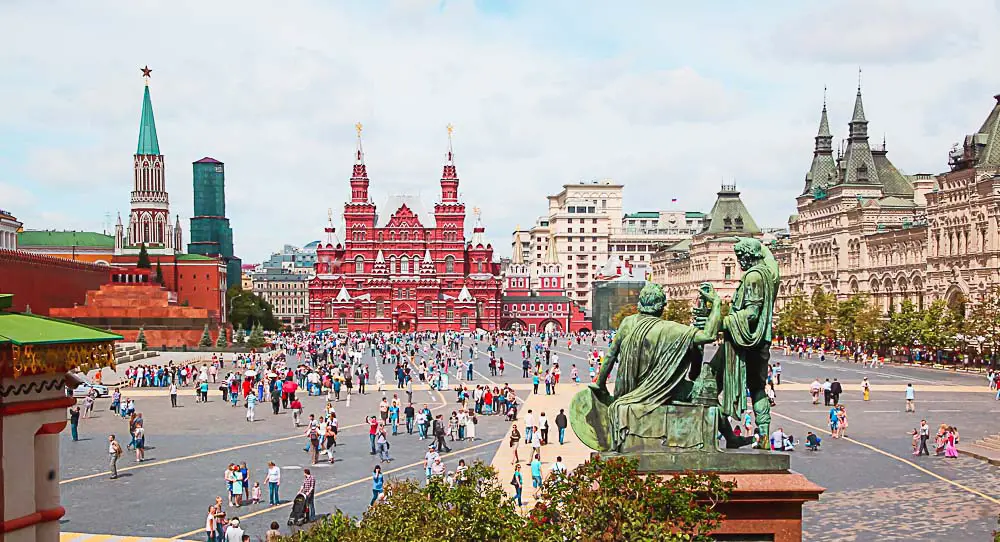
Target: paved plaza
{"points": [[876, 490]]}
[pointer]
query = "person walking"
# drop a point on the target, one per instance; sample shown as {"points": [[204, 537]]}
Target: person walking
{"points": [[74, 422], [382, 445], [910, 399], [515, 439], [173, 395], [925, 433], [866, 388], [439, 433], [835, 390], [273, 483], [378, 484], [518, 482], [308, 490], [114, 452], [251, 403], [561, 423]]}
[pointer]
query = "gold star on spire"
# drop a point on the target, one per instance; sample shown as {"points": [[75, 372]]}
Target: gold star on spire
{"points": [[358, 127], [450, 129]]}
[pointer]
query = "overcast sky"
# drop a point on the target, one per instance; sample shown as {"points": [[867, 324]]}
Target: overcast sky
{"points": [[668, 98]]}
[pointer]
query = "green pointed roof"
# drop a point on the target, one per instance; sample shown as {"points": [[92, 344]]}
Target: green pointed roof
{"points": [[824, 167], [989, 136], [147, 127], [859, 109], [729, 215]]}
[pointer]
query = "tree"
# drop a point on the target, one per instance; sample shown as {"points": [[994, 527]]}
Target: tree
{"points": [[159, 272], [206, 338], [625, 310], [858, 320], [678, 310], [795, 319], [982, 325], [221, 341], [939, 326], [238, 336], [824, 309], [141, 339], [600, 500], [256, 339], [904, 327], [248, 309], [143, 262]]}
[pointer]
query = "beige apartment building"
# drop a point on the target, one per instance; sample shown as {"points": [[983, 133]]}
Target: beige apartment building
{"points": [[708, 255], [288, 294]]}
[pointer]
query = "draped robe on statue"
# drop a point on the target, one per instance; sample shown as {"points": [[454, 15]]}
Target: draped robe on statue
{"points": [[652, 357], [747, 337]]}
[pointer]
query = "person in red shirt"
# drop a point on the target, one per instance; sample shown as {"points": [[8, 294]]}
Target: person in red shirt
{"points": [[247, 387], [372, 431]]}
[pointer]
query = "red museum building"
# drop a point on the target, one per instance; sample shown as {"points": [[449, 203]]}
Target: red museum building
{"points": [[405, 274]]}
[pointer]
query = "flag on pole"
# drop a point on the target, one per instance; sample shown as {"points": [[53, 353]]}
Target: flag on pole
{"points": [[673, 200]]}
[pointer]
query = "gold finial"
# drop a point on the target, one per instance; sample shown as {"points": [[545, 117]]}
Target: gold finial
{"points": [[358, 127], [329, 214], [476, 211], [450, 129]]}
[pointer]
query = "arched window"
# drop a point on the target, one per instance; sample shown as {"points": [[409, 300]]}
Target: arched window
{"points": [[449, 264], [357, 314], [392, 265], [359, 265], [427, 309], [404, 265], [479, 266], [465, 320]]}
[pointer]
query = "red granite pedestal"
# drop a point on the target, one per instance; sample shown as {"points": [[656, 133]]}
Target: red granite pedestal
{"points": [[765, 507]]}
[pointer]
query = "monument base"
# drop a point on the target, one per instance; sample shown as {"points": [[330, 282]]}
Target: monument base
{"points": [[765, 506], [730, 461]]}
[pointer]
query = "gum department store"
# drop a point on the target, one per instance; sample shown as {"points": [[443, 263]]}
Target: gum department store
{"points": [[864, 227]]}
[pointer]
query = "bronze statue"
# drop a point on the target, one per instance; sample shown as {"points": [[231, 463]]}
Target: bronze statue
{"points": [[665, 398]]}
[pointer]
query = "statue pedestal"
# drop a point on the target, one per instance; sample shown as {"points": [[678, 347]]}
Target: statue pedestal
{"points": [[765, 506]]}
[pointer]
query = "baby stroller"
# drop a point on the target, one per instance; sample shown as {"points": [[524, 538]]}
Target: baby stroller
{"points": [[300, 512]]}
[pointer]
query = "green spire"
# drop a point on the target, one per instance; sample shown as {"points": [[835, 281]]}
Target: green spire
{"points": [[147, 127]]}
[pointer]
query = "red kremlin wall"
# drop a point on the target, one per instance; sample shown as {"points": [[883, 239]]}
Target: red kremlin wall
{"points": [[43, 282]]}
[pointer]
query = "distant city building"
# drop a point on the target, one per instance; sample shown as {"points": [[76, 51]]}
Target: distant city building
{"points": [[540, 304], [9, 227], [287, 292], [615, 286], [211, 234], [588, 226], [292, 258], [708, 256], [404, 273]]}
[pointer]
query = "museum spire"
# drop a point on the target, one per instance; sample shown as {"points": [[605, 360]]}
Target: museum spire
{"points": [[359, 176], [449, 175]]}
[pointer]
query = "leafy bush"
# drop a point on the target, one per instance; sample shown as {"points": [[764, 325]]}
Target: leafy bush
{"points": [[607, 501]]}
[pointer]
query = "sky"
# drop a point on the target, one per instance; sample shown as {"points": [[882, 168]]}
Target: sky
{"points": [[670, 99]]}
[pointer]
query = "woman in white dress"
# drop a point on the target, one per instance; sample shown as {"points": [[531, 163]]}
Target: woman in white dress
{"points": [[470, 427], [379, 378]]}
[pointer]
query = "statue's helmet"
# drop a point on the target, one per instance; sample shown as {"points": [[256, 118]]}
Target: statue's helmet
{"points": [[652, 299]]}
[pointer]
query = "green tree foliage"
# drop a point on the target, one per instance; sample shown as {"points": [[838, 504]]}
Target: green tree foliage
{"points": [[905, 326], [824, 309], [678, 310], [256, 339], [141, 339], [247, 310], [858, 320], [143, 262], [609, 500], [206, 338], [939, 327], [600, 500], [239, 337], [626, 310], [982, 325], [221, 341], [795, 319], [159, 272]]}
